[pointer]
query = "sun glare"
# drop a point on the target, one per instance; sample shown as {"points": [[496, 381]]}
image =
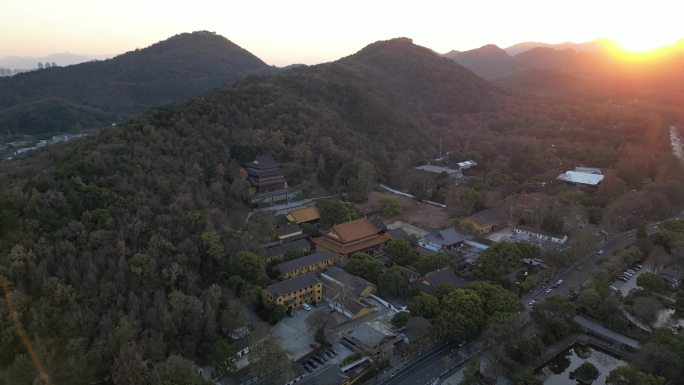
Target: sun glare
{"points": [[641, 43]]}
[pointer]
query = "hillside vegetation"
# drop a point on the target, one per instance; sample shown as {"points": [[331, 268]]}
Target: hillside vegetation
{"points": [[101, 92]]}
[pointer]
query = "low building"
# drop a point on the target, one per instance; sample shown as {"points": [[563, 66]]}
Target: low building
{"points": [[277, 251], [443, 240], [294, 292], [328, 375], [357, 236], [533, 234], [487, 221], [399, 233], [312, 263], [288, 231], [479, 243], [355, 284], [467, 164], [346, 292], [373, 338], [583, 176], [452, 172], [309, 214], [445, 276]]}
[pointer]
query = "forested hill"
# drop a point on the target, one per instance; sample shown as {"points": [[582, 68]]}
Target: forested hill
{"points": [[121, 251], [101, 92]]}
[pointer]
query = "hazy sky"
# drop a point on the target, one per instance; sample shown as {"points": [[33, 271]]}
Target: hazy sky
{"points": [[285, 32]]}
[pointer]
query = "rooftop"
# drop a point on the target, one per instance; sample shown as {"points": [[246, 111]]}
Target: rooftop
{"points": [[536, 230], [584, 178], [304, 214], [328, 375], [438, 169], [342, 277], [289, 229], [287, 247], [352, 231], [398, 233], [443, 276], [263, 162], [307, 260], [488, 216], [292, 284]]}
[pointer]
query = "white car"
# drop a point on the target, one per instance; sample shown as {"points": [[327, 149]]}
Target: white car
{"points": [[306, 307]]}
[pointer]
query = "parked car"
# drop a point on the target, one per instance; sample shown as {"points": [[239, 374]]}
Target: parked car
{"points": [[627, 273], [306, 307], [290, 314], [333, 351], [547, 291], [311, 363], [631, 271], [329, 354], [600, 252], [623, 279], [308, 368], [318, 359], [316, 304], [638, 266]]}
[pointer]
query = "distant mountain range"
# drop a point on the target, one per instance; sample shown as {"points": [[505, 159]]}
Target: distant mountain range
{"points": [[597, 68], [61, 59], [103, 92]]}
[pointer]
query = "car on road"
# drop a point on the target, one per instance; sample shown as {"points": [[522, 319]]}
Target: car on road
{"points": [[306, 307]]}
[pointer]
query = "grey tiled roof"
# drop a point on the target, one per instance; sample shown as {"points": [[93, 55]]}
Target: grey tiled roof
{"points": [[292, 284], [307, 260], [488, 216]]}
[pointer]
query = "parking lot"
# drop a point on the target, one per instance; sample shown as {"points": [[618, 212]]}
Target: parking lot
{"points": [[625, 287], [296, 334]]}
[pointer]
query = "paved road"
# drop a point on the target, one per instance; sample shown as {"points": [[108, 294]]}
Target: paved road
{"points": [[424, 370], [578, 274]]}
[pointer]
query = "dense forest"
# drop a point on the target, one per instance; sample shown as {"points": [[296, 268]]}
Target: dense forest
{"points": [[125, 251], [97, 93]]}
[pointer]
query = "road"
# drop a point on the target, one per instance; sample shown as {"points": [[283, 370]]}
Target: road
{"points": [[424, 370], [578, 274]]}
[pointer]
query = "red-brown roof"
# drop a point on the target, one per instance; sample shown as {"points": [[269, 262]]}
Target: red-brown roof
{"points": [[352, 231]]}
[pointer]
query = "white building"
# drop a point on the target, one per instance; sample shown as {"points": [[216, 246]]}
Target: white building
{"points": [[533, 234]]}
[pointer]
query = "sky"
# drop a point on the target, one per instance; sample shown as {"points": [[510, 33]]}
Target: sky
{"points": [[306, 31]]}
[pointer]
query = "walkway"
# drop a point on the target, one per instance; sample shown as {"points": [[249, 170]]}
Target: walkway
{"points": [[591, 326]]}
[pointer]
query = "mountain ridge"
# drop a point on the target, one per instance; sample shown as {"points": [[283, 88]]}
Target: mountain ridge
{"points": [[127, 84]]}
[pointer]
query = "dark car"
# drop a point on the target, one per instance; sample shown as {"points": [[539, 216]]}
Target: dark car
{"points": [[312, 363], [318, 359], [308, 368], [329, 354], [315, 304]]}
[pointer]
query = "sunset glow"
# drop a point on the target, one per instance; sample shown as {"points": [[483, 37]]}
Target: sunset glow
{"points": [[311, 32]]}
